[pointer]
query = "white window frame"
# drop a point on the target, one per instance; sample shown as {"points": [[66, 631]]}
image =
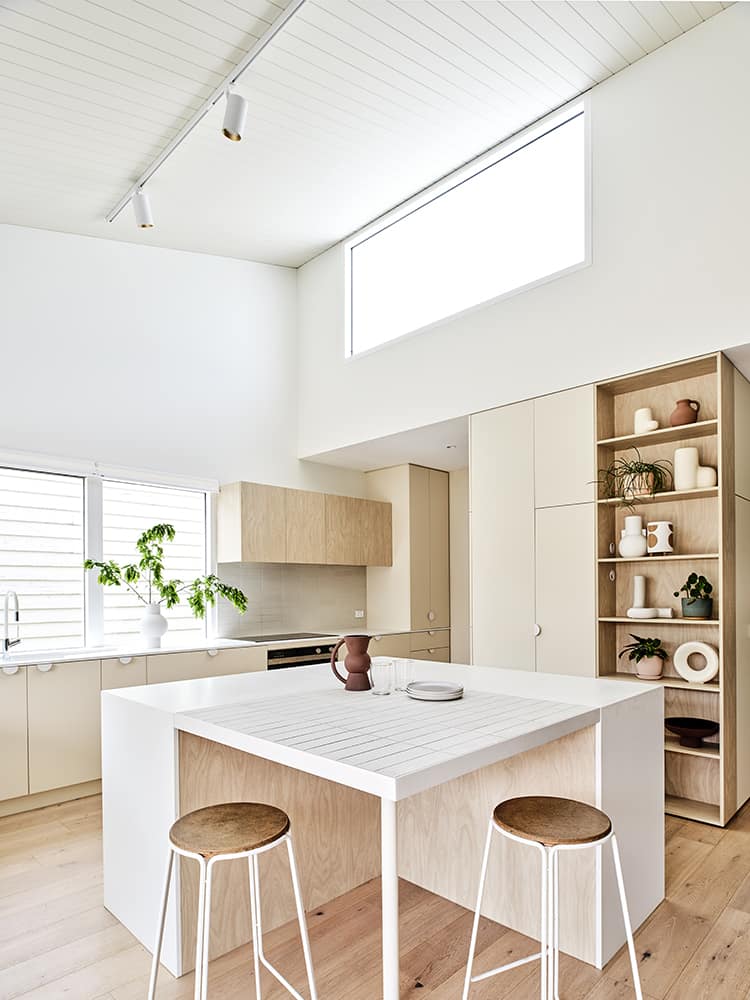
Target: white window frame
{"points": [[580, 106], [93, 474]]}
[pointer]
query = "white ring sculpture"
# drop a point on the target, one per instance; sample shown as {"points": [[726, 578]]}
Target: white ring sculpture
{"points": [[683, 668]]}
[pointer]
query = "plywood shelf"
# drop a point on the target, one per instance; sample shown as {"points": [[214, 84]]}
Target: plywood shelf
{"points": [[657, 559], [703, 428], [661, 621], [672, 745], [666, 497], [703, 812], [667, 682]]}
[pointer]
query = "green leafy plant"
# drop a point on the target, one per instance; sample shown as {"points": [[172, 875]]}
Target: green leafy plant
{"points": [[145, 578], [696, 588], [643, 648], [628, 478]]}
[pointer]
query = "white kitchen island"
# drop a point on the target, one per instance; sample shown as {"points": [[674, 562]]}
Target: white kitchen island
{"points": [[383, 786]]}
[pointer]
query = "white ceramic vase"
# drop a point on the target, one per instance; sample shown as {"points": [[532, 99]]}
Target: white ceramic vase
{"points": [[659, 537], [633, 542], [153, 626], [706, 476], [686, 468], [643, 421]]}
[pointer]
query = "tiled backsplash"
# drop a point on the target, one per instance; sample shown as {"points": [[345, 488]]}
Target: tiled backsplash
{"points": [[291, 598]]}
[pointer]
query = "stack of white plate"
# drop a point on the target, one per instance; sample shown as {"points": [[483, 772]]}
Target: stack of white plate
{"points": [[434, 691]]}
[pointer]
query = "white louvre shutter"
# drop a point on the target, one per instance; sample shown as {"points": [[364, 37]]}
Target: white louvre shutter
{"points": [[130, 508], [41, 556]]}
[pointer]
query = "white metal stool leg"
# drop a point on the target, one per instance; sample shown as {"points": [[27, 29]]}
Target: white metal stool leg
{"points": [[254, 924], [206, 930], [160, 929], [626, 919], [475, 926], [199, 929], [302, 921]]}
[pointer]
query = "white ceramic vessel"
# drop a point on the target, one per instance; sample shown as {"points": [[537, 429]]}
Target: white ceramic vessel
{"points": [[153, 625], [643, 421], [659, 537], [686, 468], [633, 542]]}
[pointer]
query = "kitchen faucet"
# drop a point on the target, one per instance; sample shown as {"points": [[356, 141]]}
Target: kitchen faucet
{"points": [[7, 641]]}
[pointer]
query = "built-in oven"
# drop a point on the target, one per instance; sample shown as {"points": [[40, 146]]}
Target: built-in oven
{"points": [[299, 656]]}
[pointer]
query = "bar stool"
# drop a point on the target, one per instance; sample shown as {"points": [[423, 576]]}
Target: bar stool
{"points": [[551, 825], [224, 833]]}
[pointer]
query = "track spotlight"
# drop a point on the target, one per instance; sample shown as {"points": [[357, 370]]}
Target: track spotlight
{"points": [[142, 210], [234, 117]]}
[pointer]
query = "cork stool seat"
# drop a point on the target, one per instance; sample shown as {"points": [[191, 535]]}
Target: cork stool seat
{"points": [[228, 832], [552, 826], [548, 820], [229, 828]]}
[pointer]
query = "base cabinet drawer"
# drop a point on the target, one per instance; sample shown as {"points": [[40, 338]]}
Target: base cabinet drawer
{"points": [[442, 655], [14, 770], [390, 645], [64, 726], [204, 663], [122, 672], [435, 639]]}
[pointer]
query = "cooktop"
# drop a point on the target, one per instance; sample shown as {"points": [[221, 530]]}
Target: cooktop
{"points": [[282, 637]]}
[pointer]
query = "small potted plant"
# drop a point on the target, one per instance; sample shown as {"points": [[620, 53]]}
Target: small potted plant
{"points": [[698, 602], [649, 656], [627, 479], [145, 579]]}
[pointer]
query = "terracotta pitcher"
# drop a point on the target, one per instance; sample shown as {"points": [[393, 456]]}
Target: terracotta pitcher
{"points": [[685, 412], [357, 662]]}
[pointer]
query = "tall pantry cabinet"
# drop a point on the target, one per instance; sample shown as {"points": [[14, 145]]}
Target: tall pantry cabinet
{"points": [[532, 534]]}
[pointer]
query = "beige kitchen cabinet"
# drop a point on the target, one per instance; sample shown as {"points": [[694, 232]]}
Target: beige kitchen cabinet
{"points": [[124, 671], [305, 527], [566, 589], [251, 523], [391, 645], [437, 654], [358, 532], [14, 772], [257, 523], [165, 667], [532, 534], [64, 726], [413, 592], [432, 639]]}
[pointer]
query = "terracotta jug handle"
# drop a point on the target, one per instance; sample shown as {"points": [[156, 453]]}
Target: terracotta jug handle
{"points": [[336, 648], [694, 404]]}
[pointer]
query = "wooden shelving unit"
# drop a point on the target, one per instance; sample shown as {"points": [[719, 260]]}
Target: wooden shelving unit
{"points": [[706, 784]]}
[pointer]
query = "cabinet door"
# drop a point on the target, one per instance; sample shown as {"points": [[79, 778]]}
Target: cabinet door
{"points": [[440, 595], [564, 465], [305, 527], [14, 772], [343, 536], [566, 590], [390, 645], [166, 667], [742, 570], [436, 655], [126, 671], [501, 473], [236, 661], [375, 533], [419, 544], [64, 724], [263, 523]]}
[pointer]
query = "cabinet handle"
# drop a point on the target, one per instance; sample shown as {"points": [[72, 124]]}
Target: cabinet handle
{"points": [[431, 616], [44, 668], [431, 651], [9, 671], [537, 629], [125, 660], [213, 652]]}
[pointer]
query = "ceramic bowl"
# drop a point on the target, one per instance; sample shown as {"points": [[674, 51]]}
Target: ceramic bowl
{"points": [[691, 731]]}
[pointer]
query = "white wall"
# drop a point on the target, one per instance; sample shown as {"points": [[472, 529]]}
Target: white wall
{"points": [[668, 280], [151, 358]]}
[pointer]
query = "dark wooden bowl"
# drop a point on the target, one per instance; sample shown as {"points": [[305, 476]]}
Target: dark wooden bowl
{"points": [[692, 732]]}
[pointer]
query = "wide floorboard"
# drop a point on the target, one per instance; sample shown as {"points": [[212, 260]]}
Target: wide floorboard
{"points": [[57, 942]]}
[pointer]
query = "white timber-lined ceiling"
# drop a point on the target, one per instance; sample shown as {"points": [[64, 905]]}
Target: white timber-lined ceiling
{"points": [[354, 106]]}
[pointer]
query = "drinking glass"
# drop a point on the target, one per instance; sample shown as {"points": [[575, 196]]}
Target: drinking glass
{"points": [[404, 674], [381, 675]]}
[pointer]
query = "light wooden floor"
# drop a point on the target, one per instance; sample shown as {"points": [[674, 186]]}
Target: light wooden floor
{"points": [[57, 940]]}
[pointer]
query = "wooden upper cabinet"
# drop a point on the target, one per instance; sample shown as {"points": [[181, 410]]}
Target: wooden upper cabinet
{"points": [[259, 523], [305, 527], [564, 458]]}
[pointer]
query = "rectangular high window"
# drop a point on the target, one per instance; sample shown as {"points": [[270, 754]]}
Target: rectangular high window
{"points": [[127, 510], [513, 218], [41, 556]]}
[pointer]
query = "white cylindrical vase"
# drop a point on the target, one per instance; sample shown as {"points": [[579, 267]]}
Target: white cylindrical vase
{"points": [[686, 468], [639, 591], [153, 625], [660, 534], [633, 542]]}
